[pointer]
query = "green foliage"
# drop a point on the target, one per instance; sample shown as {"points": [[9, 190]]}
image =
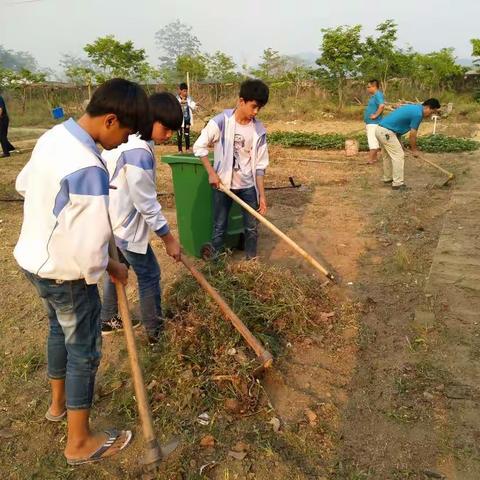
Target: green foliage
{"points": [[340, 57], [113, 58], [381, 59], [436, 69], [345, 57], [175, 40], [445, 144], [336, 141], [221, 67], [77, 70], [196, 66], [272, 65], [314, 141], [19, 80], [475, 49]]}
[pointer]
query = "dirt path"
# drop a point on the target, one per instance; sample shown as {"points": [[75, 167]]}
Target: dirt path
{"points": [[387, 392], [382, 389]]}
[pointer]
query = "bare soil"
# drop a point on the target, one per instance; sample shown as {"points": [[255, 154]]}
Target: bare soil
{"points": [[383, 393]]}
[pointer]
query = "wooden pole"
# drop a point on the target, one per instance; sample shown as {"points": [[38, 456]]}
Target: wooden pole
{"points": [[450, 175], [153, 453], [264, 355], [279, 233], [188, 83]]}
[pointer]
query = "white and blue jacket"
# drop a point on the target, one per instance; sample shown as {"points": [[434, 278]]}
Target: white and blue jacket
{"points": [[134, 208], [220, 132], [65, 230], [191, 107]]}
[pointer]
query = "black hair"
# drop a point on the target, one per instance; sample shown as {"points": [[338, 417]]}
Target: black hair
{"points": [[183, 86], [375, 82], [433, 103], [166, 109], [254, 90], [127, 100]]}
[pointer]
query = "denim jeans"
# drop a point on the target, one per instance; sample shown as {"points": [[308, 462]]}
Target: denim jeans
{"points": [[147, 270], [74, 341], [221, 208]]}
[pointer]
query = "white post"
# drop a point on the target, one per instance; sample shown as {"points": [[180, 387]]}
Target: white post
{"points": [[435, 118]]}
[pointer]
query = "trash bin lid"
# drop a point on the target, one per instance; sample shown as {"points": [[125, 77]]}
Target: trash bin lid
{"points": [[188, 158]]}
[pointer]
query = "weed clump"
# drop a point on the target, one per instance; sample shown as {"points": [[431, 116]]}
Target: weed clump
{"points": [[203, 364]]}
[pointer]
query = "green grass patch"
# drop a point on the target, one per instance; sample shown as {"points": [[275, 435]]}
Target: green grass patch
{"points": [[445, 144], [336, 141]]}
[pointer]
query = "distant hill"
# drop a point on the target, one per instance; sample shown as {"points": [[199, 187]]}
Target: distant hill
{"points": [[465, 62]]}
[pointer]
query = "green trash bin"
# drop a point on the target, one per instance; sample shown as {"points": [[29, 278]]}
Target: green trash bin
{"points": [[194, 204]]}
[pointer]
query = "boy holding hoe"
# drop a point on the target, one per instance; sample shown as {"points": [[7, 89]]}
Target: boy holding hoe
{"points": [[63, 251], [135, 211], [240, 161]]}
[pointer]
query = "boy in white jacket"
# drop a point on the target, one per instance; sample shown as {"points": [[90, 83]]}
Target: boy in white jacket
{"points": [[135, 211], [240, 161], [188, 106], [63, 251]]}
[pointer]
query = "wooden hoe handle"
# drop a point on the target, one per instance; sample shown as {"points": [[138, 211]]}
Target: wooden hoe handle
{"points": [[264, 355], [153, 451], [279, 233]]}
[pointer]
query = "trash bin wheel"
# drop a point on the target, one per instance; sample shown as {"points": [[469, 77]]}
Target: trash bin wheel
{"points": [[206, 252]]}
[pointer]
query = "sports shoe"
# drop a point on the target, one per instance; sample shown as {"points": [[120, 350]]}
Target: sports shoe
{"points": [[115, 324]]}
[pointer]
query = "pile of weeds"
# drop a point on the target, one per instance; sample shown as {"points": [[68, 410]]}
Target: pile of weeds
{"points": [[200, 376]]}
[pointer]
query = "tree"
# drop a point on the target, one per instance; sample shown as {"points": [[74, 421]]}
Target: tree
{"points": [[221, 68], [381, 59], [16, 61], [113, 58], [196, 66], [475, 49], [20, 81], [272, 65], [436, 70], [175, 40], [78, 70], [340, 57]]}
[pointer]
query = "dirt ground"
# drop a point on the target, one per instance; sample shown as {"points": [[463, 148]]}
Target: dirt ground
{"points": [[371, 399]]}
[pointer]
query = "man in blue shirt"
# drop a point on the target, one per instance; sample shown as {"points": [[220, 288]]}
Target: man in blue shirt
{"points": [[7, 147], [406, 118], [372, 116]]}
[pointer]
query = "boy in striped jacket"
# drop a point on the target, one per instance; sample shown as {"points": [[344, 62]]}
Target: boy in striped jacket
{"points": [[240, 160], [135, 212], [63, 251]]}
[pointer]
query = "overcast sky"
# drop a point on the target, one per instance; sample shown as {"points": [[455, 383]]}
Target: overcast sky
{"points": [[241, 28]]}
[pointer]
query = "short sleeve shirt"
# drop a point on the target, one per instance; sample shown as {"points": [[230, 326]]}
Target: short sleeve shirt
{"points": [[374, 102], [242, 176], [403, 119]]}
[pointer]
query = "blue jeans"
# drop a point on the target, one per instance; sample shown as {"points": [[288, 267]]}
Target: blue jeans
{"points": [[74, 341], [221, 208], [147, 270]]}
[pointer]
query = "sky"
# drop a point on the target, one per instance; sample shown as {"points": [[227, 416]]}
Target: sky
{"points": [[241, 28]]}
